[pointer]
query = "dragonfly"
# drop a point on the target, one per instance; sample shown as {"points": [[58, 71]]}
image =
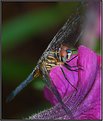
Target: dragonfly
{"points": [[58, 51]]}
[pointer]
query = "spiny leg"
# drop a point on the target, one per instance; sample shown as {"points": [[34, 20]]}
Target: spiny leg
{"points": [[72, 66], [67, 79], [68, 67], [72, 58]]}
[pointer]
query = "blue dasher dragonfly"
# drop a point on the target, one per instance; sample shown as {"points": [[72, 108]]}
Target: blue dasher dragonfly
{"points": [[59, 49]]}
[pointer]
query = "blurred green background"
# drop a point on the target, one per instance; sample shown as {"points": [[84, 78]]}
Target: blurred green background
{"points": [[27, 30]]}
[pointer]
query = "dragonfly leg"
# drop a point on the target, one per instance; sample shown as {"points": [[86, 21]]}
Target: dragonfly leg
{"points": [[69, 67], [67, 79], [72, 66], [79, 67], [72, 58]]}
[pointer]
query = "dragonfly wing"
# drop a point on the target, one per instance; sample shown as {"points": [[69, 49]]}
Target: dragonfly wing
{"points": [[53, 88], [70, 31], [69, 34]]}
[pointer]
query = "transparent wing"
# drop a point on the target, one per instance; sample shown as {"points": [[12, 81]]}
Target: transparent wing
{"points": [[53, 88], [70, 31], [69, 34]]}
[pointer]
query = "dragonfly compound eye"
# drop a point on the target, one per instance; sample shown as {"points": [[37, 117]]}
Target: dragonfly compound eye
{"points": [[69, 52]]}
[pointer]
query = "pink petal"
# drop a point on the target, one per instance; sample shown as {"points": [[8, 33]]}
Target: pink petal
{"points": [[84, 103], [89, 86], [64, 88]]}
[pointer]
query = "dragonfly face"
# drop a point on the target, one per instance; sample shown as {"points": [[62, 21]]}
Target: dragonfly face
{"points": [[64, 53]]}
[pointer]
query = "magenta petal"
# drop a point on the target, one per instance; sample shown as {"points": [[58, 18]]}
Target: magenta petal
{"points": [[99, 60], [62, 85], [89, 85], [84, 103], [88, 59]]}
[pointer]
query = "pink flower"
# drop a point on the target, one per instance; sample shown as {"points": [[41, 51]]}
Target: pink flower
{"points": [[85, 103]]}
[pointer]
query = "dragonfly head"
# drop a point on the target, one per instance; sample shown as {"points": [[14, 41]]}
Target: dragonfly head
{"points": [[65, 53]]}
